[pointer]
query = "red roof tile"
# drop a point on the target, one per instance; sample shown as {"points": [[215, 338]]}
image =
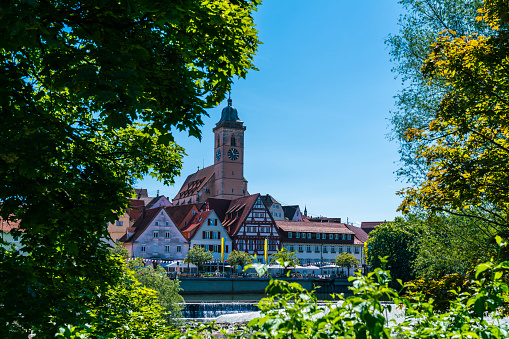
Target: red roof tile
{"points": [[312, 227], [195, 182], [359, 233], [238, 212], [179, 213], [141, 224], [220, 206]]}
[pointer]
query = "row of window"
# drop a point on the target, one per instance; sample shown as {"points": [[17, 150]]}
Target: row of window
{"points": [[330, 236], [155, 248], [256, 229], [167, 235], [324, 249], [256, 244], [276, 214], [157, 223], [211, 235]]}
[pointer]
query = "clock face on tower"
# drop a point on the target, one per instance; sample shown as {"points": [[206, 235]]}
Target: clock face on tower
{"points": [[218, 154], [233, 154]]}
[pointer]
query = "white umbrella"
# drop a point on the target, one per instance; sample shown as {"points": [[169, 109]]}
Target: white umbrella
{"points": [[330, 266]]}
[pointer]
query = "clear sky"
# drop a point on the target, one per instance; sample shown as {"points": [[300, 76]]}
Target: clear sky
{"points": [[316, 112]]}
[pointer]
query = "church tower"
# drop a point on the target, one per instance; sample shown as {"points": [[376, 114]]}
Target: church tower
{"points": [[229, 182]]}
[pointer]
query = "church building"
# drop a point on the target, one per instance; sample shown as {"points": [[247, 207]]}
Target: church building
{"points": [[225, 179]]}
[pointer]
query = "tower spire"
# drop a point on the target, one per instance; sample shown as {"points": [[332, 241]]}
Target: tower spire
{"points": [[229, 98]]}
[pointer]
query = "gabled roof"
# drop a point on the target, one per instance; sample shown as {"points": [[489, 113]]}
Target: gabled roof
{"points": [[154, 201], [141, 193], [195, 223], [179, 213], [141, 224], [220, 206], [290, 211], [312, 227], [135, 208], [268, 200], [359, 232], [195, 182], [237, 212]]}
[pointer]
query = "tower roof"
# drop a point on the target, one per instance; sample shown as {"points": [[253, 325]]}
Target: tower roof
{"points": [[229, 113]]}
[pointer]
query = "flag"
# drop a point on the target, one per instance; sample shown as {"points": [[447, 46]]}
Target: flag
{"points": [[266, 262], [222, 249]]}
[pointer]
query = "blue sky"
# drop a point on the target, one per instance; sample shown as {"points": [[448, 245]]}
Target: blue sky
{"points": [[316, 112]]}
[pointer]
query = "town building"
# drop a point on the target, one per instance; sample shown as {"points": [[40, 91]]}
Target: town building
{"points": [[319, 242], [154, 235], [293, 213], [275, 208], [225, 179], [206, 230]]}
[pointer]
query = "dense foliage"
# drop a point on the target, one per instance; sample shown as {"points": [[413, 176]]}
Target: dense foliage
{"points": [[450, 244], [420, 24], [167, 289], [466, 142], [395, 240], [127, 310], [89, 94]]}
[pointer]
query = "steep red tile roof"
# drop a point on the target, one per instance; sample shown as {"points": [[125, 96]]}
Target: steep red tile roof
{"points": [[195, 223], [136, 208], [195, 182], [359, 233], [238, 212], [220, 206], [312, 227], [178, 213], [141, 224]]}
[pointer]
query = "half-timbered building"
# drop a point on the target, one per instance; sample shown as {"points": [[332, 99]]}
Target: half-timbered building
{"points": [[249, 223]]}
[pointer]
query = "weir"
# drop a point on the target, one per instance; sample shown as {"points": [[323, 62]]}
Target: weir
{"points": [[212, 310]]}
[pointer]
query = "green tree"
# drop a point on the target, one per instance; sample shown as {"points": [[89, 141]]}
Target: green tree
{"points": [[167, 289], [239, 258], [397, 241], [420, 24], [450, 244], [198, 255], [89, 94], [120, 250], [466, 144], [127, 310], [284, 258], [347, 260]]}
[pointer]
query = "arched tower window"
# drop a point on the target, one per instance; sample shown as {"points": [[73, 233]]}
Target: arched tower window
{"points": [[218, 142], [233, 141]]}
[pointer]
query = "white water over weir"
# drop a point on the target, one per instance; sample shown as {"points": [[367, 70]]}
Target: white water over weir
{"points": [[200, 310]]}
